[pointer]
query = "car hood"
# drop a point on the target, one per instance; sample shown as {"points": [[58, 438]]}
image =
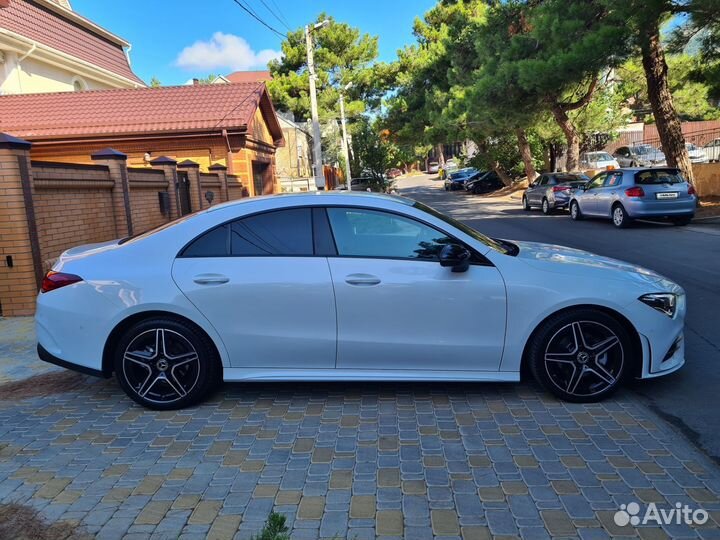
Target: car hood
{"points": [[579, 263]]}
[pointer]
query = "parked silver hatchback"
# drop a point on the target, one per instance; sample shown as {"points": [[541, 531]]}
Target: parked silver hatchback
{"points": [[551, 191], [634, 193]]}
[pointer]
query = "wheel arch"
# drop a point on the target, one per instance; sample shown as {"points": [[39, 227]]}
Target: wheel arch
{"points": [[637, 356], [130, 320]]}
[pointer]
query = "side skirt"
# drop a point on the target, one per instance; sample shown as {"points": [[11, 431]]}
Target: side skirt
{"points": [[264, 374]]}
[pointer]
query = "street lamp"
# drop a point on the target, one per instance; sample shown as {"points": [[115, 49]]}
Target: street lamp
{"points": [[317, 148], [345, 142]]}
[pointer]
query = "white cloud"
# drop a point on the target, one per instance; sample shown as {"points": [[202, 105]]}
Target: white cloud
{"points": [[224, 52]]}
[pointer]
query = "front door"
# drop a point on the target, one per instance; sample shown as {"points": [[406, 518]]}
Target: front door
{"points": [[589, 204], [183, 193], [257, 282], [398, 309], [608, 193], [262, 180]]}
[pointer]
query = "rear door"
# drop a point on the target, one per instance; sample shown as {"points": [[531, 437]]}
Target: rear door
{"points": [[258, 281]]}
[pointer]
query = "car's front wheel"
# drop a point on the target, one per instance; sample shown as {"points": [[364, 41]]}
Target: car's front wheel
{"points": [[165, 363], [526, 205], [580, 355], [575, 212]]}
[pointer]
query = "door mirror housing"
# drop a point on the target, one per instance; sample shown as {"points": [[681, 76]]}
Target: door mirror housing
{"points": [[456, 257]]}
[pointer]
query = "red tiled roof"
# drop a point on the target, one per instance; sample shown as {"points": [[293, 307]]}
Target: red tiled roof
{"points": [[128, 111], [48, 27], [248, 76]]}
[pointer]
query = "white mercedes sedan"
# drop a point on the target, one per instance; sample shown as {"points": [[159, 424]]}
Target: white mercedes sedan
{"points": [[350, 286]]}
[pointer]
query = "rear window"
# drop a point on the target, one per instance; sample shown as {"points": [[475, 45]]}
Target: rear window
{"points": [[571, 178], [659, 176]]}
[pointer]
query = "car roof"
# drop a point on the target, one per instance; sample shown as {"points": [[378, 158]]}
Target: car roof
{"points": [[319, 197]]}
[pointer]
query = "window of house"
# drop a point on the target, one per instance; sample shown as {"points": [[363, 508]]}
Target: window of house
{"points": [[369, 233]]}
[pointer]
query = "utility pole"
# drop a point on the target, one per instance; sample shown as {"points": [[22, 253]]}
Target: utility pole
{"points": [[317, 147], [345, 142]]}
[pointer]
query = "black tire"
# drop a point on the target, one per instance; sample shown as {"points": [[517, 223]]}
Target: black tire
{"points": [[526, 205], [682, 221], [620, 217], [155, 366], [575, 212], [582, 368], [546, 207]]}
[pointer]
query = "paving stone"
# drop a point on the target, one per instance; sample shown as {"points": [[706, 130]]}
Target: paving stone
{"points": [[444, 522], [362, 506], [389, 523], [311, 507]]}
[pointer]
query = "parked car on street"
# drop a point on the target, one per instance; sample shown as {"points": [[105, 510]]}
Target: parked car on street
{"points": [[483, 182], [456, 179], [552, 191], [696, 155], [641, 155], [598, 160], [627, 194], [367, 183], [433, 167], [338, 286], [712, 150], [393, 173]]}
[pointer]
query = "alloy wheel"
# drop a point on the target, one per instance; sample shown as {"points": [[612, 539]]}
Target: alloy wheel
{"points": [[574, 210], [161, 366], [584, 358], [618, 216], [545, 206]]}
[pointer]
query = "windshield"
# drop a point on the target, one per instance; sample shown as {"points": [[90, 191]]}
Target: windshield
{"points": [[659, 176], [491, 243], [690, 146], [645, 149]]}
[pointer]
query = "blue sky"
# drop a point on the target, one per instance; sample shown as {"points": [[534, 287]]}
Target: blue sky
{"points": [[218, 33]]}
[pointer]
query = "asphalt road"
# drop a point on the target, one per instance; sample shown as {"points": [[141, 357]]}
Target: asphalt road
{"points": [[690, 398]]}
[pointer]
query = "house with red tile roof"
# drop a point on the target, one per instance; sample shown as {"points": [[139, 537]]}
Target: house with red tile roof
{"points": [[234, 125], [47, 47]]}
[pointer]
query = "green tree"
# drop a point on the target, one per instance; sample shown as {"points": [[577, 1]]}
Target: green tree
{"points": [[370, 153], [342, 55], [155, 82]]}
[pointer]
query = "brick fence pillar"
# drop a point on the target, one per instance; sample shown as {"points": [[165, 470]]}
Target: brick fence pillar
{"points": [[116, 162], [169, 167], [20, 262], [221, 171], [193, 172]]}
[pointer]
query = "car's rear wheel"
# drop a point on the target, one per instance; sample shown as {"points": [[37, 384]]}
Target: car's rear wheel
{"points": [[581, 355], [575, 212], [546, 207], [682, 221], [526, 205], [619, 217], [164, 363]]}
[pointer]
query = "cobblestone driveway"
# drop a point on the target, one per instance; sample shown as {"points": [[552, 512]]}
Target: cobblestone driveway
{"points": [[349, 461]]}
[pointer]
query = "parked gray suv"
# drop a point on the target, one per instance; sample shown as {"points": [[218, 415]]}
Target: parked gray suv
{"points": [[551, 191]]}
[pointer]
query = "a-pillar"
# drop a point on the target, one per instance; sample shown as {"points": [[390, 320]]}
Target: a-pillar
{"points": [[169, 167], [193, 172], [21, 264], [221, 171], [116, 162]]}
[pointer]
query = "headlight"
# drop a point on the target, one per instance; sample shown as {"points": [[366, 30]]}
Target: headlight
{"points": [[664, 302]]}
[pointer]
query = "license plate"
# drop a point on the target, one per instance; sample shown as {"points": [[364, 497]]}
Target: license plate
{"points": [[667, 195]]}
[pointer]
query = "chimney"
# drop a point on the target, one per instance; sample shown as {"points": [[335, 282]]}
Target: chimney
{"points": [[196, 82]]}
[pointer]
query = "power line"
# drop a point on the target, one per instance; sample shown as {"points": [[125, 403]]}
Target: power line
{"points": [[276, 15], [254, 15], [274, 3]]}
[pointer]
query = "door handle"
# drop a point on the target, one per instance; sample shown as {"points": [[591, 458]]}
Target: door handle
{"points": [[362, 279], [210, 279]]}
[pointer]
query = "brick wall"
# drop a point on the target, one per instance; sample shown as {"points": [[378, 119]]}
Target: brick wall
{"points": [[145, 206]]}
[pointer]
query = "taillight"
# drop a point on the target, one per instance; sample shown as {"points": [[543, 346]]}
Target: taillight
{"points": [[560, 188], [635, 191], [57, 280], [691, 190]]}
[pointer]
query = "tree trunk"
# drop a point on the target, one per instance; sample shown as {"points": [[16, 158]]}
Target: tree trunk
{"points": [[504, 178], [666, 118], [571, 136], [441, 155], [526, 155]]}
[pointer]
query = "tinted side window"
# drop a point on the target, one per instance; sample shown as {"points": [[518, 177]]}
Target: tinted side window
{"points": [[613, 180], [214, 243], [369, 233], [597, 181], [283, 232]]}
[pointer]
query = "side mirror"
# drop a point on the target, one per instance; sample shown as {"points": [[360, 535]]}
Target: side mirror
{"points": [[455, 257]]}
